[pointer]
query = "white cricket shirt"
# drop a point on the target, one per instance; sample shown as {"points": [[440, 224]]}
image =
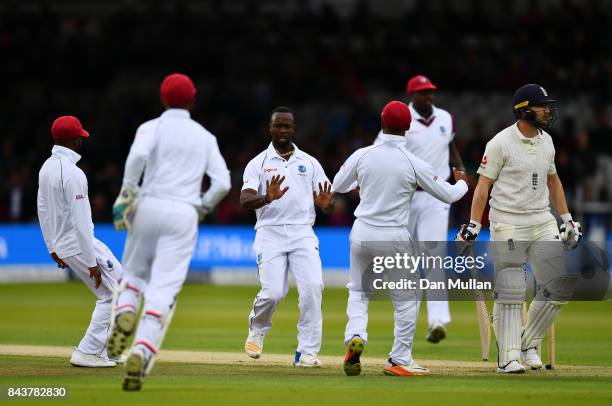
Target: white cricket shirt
{"points": [[429, 138], [64, 212], [175, 152], [520, 167], [302, 172], [388, 174]]}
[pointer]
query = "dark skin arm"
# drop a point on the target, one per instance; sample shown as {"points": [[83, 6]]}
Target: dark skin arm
{"points": [[249, 199], [455, 158]]}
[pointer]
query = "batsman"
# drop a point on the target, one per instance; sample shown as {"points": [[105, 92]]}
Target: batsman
{"points": [[518, 167]]}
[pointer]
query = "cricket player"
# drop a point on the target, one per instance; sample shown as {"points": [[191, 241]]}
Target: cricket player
{"points": [[519, 166], [388, 175], [431, 138], [283, 185], [161, 216], [64, 214]]}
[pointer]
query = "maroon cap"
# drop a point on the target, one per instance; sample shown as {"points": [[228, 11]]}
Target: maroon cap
{"points": [[67, 128], [418, 83], [396, 116], [177, 90]]}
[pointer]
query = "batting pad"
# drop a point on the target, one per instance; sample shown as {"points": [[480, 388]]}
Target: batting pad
{"points": [[507, 322]]}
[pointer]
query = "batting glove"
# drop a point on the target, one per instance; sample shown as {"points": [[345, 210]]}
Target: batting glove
{"points": [[467, 236], [123, 208], [570, 231]]}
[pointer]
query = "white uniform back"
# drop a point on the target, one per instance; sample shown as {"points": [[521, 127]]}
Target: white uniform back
{"points": [[63, 206], [520, 167], [387, 175], [429, 138], [177, 151]]}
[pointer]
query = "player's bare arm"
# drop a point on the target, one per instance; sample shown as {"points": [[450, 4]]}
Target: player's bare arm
{"points": [[249, 199], [469, 232], [455, 157], [557, 194], [325, 198]]}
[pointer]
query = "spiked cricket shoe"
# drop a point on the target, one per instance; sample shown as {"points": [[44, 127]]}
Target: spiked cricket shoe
{"points": [[413, 369], [135, 368], [436, 333], [306, 361], [80, 359], [352, 357], [254, 345], [531, 359], [513, 367], [123, 327]]}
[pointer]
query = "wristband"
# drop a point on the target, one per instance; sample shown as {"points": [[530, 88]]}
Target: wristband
{"points": [[567, 217]]}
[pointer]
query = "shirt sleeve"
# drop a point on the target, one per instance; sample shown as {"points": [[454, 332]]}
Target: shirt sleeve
{"points": [[318, 176], [435, 186], [76, 195], [143, 145], [220, 182], [346, 178], [492, 161], [43, 219], [552, 169], [250, 178]]}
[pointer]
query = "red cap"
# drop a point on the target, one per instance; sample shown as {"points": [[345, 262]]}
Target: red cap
{"points": [[67, 128], [418, 83], [396, 116], [177, 90]]}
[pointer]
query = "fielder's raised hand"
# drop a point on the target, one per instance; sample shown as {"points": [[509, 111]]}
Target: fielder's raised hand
{"points": [[273, 189], [325, 198]]}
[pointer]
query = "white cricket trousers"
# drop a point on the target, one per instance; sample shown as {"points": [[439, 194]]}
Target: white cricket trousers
{"points": [[429, 222], [94, 341], [278, 250], [405, 303], [541, 247], [158, 251]]}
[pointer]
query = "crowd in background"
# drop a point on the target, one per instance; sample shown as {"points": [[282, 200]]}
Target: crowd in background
{"points": [[336, 70]]}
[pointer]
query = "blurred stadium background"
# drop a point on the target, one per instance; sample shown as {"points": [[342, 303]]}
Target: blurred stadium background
{"points": [[335, 62]]}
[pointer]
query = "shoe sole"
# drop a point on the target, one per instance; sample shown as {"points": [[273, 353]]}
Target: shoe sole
{"points": [[300, 365], [123, 329], [503, 371], [134, 368], [92, 366], [390, 372], [436, 335], [352, 362]]}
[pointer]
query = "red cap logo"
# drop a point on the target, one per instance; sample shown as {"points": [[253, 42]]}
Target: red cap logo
{"points": [[177, 90], [67, 128], [396, 116], [418, 83]]}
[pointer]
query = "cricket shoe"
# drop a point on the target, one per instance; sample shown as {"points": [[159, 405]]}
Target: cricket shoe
{"points": [[80, 359], [512, 367], [306, 361], [123, 327], [436, 333], [352, 357], [254, 344], [531, 359], [413, 369], [135, 368]]}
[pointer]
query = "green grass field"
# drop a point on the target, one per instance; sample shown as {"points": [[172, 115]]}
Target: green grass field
{"points": [[210, 318]]}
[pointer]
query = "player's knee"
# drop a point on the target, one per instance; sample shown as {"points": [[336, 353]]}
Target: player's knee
{"points": [[510, 284], [558, 290]]}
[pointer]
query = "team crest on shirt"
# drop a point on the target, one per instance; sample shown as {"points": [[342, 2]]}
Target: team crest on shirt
{"points": [[484, 161], [443, 130], [302, 169]]}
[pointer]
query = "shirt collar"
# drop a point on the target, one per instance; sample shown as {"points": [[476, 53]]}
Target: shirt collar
{"points": [[65, 152], [527, 140], [271, 152], [182, 113], [395, 139], [416, 116]]}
